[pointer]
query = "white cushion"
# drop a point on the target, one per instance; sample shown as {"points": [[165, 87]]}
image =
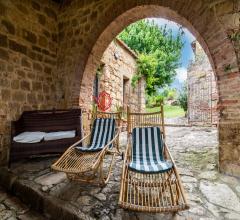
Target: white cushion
{"points": [[29, 137], [59, 135]]}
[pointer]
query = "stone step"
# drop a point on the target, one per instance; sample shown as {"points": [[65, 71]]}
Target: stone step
{"points": [[37, 200]]}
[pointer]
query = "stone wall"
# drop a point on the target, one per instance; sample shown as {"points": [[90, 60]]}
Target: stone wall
{"points": [[202, 89], [28, 58], [85, 28], [119, 66]]}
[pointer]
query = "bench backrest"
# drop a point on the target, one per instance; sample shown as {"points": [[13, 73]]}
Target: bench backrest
{"points": [[50, 120]]}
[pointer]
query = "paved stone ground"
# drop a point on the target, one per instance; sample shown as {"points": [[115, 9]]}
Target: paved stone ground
{"points": [[211, 195], [11, 208]]}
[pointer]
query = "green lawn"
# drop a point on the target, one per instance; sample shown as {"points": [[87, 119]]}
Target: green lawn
{"points": [[169, 111]]}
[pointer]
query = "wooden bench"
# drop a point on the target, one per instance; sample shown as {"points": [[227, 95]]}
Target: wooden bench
{"points": [[45, 121]]}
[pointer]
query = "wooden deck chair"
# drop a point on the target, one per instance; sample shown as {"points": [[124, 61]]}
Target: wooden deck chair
{"points": [[83, 161], [150, 180]]}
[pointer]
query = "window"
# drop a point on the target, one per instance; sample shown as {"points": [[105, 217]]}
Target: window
{"points": [[96, 86], [96, 83], [125, 90]]}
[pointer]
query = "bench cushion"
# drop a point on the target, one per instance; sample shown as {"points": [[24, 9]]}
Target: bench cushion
{"points": [[29, 137], [59, 135]]}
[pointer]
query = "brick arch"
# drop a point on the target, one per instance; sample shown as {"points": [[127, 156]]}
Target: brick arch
{"points": [[211, 42], [202, 21]]}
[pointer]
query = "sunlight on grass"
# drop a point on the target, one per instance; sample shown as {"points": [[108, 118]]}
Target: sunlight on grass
{"points": [[169, 111]]}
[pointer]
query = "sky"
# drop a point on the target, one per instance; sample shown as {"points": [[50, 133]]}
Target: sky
{"points": [[187, 53]]}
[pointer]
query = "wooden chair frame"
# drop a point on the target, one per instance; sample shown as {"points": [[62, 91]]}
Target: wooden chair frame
{"points": [[156, 192], [88, 166]]}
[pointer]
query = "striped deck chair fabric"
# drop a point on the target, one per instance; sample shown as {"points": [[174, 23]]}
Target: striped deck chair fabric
{"points": [[147, 151], [103, 133]]}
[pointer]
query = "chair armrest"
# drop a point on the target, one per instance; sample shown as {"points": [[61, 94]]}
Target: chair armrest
{"points": [[168, 154], [78, 142]]}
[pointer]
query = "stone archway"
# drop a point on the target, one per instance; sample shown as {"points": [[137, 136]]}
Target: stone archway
{"points": [[115, 27], [210, 22]]}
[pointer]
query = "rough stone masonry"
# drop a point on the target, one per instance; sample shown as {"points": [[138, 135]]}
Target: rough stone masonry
{"points": [[48, 49], [202, 89]]}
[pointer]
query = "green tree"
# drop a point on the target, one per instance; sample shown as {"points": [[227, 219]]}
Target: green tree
{"points": [[147, 67], [158, 52]]}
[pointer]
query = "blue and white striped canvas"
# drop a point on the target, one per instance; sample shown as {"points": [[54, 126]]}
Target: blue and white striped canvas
{"points": [[147, 151], [103, 132]]}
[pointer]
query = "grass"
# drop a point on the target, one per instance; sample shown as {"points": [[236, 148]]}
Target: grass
{"points": [[169, 111]]}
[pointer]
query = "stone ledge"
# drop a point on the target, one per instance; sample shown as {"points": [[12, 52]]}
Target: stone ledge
{"points": [[29, 194]]}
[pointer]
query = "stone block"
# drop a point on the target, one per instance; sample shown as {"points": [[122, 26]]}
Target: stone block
{"points": [[5, 94], [21, 73], [8, 26], [50, 61], [94, 15], [29, 36], [41, 19], [46, 33], [32, 54], [31, 98], [46, 88], [231, 21], [42, 41], [15, 84], [3, 40], [74, 22], [38, 49], [37, 86], [224, 7], [50, 13], [13, 45], [4, 54], [22, 9], [10, 68], [18, 96], [46, 52], [51, 179], [221, 195], [39, 57], [37, 67], [36, 6], [25, 85], [3, 9], [47, 70]]}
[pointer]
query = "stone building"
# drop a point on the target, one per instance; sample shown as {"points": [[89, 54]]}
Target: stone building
{"points": [[202, 89], [114, 75], [50, 49]]}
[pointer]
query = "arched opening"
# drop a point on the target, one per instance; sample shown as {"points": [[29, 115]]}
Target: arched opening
{"points": [[213, 38], [77, 33], [115, 27]]}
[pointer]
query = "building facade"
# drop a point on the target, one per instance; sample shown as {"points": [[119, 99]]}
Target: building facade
{"points": [[114, 75], [202, 89]]}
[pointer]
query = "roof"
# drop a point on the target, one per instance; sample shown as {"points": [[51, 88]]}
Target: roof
{"points": [[125, 46]]}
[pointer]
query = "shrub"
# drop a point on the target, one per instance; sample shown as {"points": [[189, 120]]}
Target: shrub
{"points": [[183, 98]]}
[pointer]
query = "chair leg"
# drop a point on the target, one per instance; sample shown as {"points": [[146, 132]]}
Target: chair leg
{"points": [[101, 177], [110, 169]]}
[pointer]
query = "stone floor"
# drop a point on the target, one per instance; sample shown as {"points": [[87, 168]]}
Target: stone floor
{"points": [[211, 195], [11, 208]]}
